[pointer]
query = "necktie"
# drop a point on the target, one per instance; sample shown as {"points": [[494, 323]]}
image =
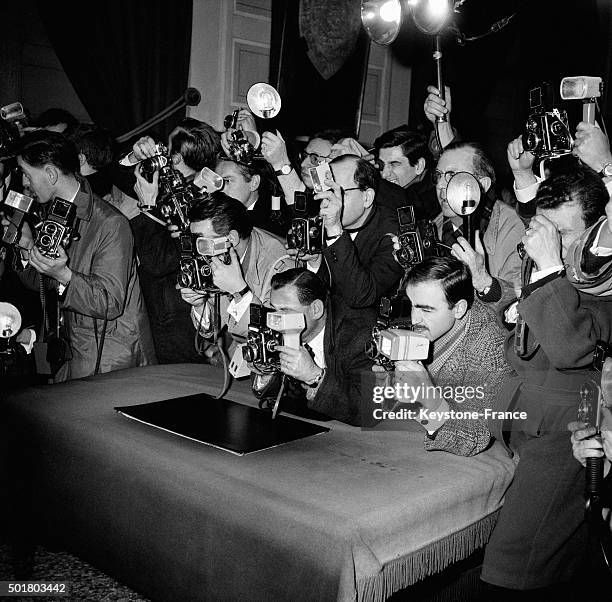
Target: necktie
{"points": [[449, 234]]}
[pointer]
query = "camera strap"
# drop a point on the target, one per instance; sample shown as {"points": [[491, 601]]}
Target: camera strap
{"points": [[100, 344], [521, 332]]}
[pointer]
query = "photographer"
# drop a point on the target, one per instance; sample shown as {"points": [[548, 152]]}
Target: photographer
{"points": [[467, 355], [406, 161], [255, 257], [96, 276], [330, 363], [193, 145], [358, 259], [553, 356], [589, 258], [494, 263], [253, 185]]}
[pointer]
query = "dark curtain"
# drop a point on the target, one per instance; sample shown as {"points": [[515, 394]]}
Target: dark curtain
{"points": [[310, 102], [127, 60]]}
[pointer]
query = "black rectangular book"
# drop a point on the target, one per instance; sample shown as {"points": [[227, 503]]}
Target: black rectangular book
{"points": [[227, 425]]}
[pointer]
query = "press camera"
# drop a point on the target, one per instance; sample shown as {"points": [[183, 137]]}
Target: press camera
{"points": [[195, 271], [417, 240], [547, 130], [242, 147], [392, 337], [57, 228], [268, 329], [155, 163], [175, 198], [306, 234], [20, 205]]}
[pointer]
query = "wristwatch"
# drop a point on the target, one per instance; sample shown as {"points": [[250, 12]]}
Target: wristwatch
{"points": [[606, 170], [237, 296], [285, 170]]}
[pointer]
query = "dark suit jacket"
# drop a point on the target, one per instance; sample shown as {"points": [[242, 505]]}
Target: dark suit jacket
{"points": [[564, 326], [169, 315], [259, 216], [421, 195], [362, 271], [345, 393]]}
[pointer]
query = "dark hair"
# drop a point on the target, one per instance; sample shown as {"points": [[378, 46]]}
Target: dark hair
{"points": [[309, 286], [56, 116], [268, 184], [95, 143], [580, 185], [197, 142], [42, 147], [225, 214], [330, 135], [454, 275], [365, 176], [414, 145], [481, 164]]}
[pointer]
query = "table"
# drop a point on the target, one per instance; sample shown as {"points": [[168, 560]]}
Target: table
{"points": [[345, 515]]}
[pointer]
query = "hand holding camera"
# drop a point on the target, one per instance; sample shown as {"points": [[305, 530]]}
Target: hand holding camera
{"points": [[145, 147], [542, 242], [228, 276], [54, 267], [592, 146], [331, 208], [195, 298], [520, 160]]}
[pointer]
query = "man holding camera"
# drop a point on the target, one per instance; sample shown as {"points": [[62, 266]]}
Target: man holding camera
{"points": [[552, 351], [467, 367], [330, 363], [95, 277], [192, 145], [254, 257], [357, 260]]}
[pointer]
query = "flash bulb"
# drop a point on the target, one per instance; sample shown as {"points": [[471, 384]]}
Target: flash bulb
{"points": [[263, 100]]}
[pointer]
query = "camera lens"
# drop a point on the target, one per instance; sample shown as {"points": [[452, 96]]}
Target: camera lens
{"points": [[557, 128], [531, 141], [249, 352], [185, 279], [45, 241], [405, 256]]}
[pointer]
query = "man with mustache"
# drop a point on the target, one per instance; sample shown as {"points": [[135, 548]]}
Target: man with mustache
{"points": [[466, 368]]}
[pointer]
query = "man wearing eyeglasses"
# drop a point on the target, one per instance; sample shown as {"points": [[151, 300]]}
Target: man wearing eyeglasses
{"points": [[358, 258], [494, 262], [318, 149]]}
